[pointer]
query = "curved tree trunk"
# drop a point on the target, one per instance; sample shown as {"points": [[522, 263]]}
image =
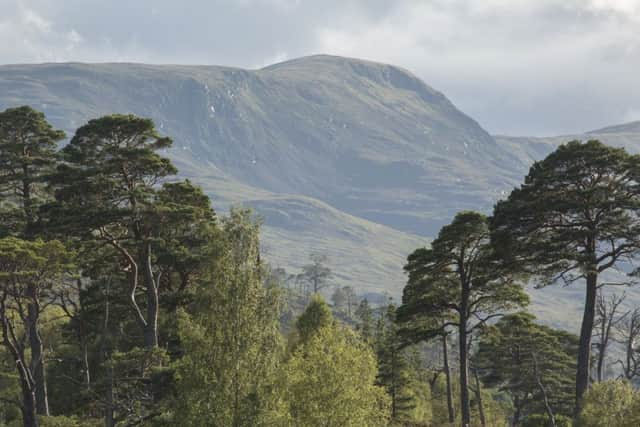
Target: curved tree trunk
{"points": [[28, 406], [37, 363], [153, 304], [586, 331], [545, 398]]}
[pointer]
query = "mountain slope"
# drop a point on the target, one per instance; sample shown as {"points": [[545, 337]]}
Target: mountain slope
{"points": [[337, 154], [369, 139], [361, 253]]}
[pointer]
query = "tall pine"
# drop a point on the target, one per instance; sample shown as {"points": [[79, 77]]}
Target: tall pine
{"points": [[574, 217]]}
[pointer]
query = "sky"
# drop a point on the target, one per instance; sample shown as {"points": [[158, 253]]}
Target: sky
{"points": [[519, 67]]}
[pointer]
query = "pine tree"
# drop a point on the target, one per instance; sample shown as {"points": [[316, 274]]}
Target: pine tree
{"points": [[575, 216], [532, 362], [365, 326], [460, 281], [394, 370], [27, 157], [109, 190]]}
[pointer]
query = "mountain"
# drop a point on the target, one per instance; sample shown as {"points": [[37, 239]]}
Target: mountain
{"points": [[359, 160], [626, 128], [369, 139], [529, 149]]}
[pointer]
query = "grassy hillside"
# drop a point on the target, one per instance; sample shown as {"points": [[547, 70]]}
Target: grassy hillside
{"points": [[361, 253]]}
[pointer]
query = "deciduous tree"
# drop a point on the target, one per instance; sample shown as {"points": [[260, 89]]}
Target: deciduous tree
{"points": [[330, 380]]}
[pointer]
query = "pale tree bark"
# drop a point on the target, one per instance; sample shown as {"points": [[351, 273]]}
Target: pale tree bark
{"points": [[606, 319], [628, 334], [37, 362], [545, 399], [16, 349]]}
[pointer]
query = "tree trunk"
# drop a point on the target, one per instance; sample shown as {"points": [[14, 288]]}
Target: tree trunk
{"points": [[109, 420], [584, 352], [447, 375], [465, 411], [518, 410], [37, 363], [151, 329], [28, 407], [602, 345], [85, 364], [105, 352], [29, 417], [478, 390]]}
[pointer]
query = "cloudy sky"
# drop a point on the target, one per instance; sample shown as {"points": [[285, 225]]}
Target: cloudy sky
{"points": [[517, 66]]}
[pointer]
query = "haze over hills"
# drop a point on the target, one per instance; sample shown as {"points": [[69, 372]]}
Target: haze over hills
{"points": [[360, 160]]}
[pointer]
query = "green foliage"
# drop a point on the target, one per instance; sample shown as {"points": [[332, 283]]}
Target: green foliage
{"points": [[440, 413], [539, 420], [64, 421], [329, 381], [579, 198], [108, 191], [365, 325], [317, 315], [109, 176], [575, 216], [455, 278], [611, 404], [457, 283], [316, 274], [524, 358], [27, 157], [396, 372], [230, 337], [40, 262], [29, 273]]}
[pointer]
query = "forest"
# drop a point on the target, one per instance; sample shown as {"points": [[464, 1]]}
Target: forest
{"points": [[126, 299]]}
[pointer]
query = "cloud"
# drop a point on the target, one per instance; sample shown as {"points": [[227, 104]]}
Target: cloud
{"points": [[517, 66]]}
